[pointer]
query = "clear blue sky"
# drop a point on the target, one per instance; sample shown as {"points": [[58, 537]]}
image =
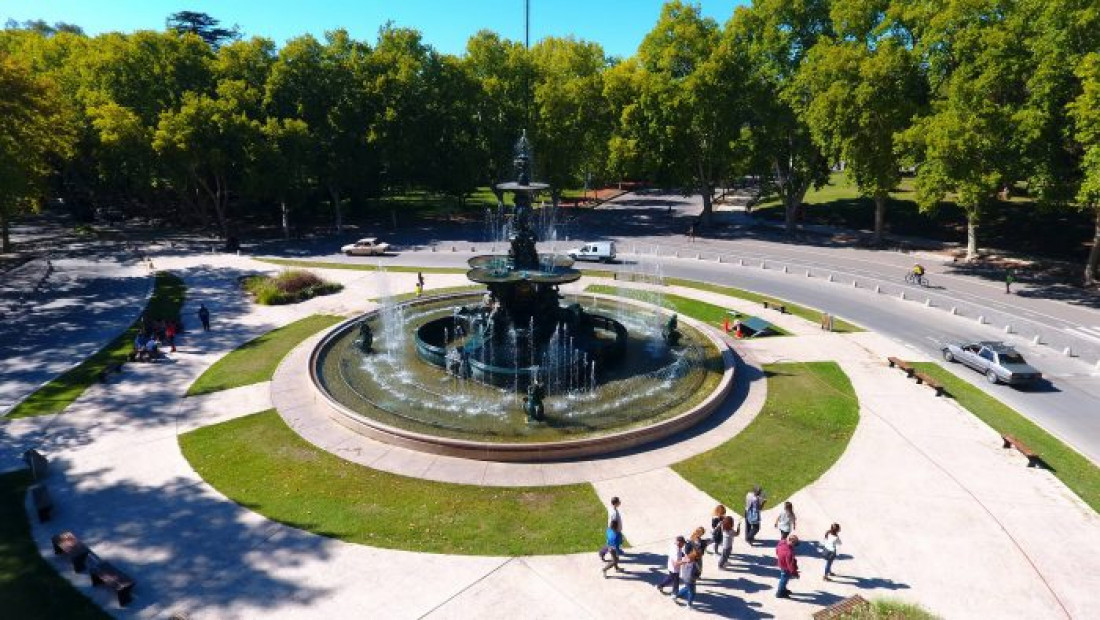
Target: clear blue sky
{"points": [[619, 25]]}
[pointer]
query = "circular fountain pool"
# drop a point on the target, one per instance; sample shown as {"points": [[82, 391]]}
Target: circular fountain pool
{"points": [[395, 393]]}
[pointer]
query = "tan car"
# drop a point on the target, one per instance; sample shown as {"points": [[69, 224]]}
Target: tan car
{"points": [[368, 246]]}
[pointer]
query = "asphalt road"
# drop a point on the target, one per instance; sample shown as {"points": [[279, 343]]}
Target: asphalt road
{"points": [[650, 235]]}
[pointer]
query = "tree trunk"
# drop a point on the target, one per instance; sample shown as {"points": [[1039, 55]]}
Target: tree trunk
{"points": [[339, 212], [708, 204], [286, 219], [1092, 267], [971, 236], [880, 217], [5, 238]]}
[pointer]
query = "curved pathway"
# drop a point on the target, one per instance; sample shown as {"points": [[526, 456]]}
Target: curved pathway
{"points": [[933, 510]]}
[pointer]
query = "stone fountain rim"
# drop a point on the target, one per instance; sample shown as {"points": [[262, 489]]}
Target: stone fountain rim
{"points": [[528, 451]]}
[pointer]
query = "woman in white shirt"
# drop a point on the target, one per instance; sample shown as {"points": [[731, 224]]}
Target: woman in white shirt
{"points": [[785, 521], [830, 543], [729, 532]]}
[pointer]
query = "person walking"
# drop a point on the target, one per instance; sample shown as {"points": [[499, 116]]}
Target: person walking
{"points": [[754, 505], [729, 532], [613, 514], [1010, 277], [690, 571], [419, 283], [830, 542], [170, 335], [675, 554], [786, 521], [691, 232], [788, 565], [716, 526], [612, 548], [204, 317]]}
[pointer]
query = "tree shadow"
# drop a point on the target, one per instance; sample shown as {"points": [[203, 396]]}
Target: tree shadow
{"points": [[184, 545]]}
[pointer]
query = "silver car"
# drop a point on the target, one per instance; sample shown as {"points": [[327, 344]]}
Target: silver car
{"points": [[368, 246], [999, 362]]}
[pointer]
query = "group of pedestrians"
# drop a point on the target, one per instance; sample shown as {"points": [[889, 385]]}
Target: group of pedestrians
{"points": [[684, 565]]}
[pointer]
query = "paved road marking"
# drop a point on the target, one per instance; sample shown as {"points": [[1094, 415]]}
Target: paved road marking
{"points": [[1089, 333]]}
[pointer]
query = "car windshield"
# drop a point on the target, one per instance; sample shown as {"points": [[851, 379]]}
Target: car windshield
{"points": [[1012, 358]]}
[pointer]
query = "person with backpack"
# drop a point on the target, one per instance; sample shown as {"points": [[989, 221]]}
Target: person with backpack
{"points": [[754, 505], [716, 526], [614, 545]]}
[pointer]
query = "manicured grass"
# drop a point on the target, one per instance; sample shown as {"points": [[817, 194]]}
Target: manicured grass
{"points": [[890, 609], [260, 463], [470, 288], [712, 315], [256, 360], [168, 295], [805, 425], [30, 589], [1078, 473], [810, 314]]}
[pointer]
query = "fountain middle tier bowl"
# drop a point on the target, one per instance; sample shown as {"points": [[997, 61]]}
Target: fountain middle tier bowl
{"points": [[394, 395]]}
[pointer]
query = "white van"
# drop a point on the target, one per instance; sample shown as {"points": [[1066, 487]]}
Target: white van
{"points": [[603, 251]]}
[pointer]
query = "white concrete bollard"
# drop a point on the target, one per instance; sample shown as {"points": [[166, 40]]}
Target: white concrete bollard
{"points": [[1068, 352], [808, 274], [740, 262], [763, 264], [785, 270], [1037, 339], [830, 278], [433, 248], [677, 253], [928, 303], [855, 284], [878, 289], [954, 310], [1008, 329], [696, 256], [902, 295], [981, 319], [453, 249]]}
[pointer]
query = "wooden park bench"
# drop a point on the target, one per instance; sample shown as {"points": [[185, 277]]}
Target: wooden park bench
{"points": [[1033, 458], [930, 382], [67, 544], [775, 305], [849, 606], [38, 464], [43, 503], [106, 574], [902, 364]]}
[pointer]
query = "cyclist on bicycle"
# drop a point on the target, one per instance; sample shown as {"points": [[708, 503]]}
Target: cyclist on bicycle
{"points": [[918, 271]]}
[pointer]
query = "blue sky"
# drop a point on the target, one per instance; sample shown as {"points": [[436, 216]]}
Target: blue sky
{"points": [[619, 25]]}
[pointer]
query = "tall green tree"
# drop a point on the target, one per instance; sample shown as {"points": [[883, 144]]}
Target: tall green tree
{"points": [[571, 122], [776, 36], [202, 25], [1085, 112], [32, 134], [967, 145], [686, 119]]}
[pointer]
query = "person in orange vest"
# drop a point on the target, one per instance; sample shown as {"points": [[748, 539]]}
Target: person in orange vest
{"points": [[737, 329]]}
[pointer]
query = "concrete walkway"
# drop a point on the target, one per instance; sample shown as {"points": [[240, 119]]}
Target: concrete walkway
{"points": [[934, 511]]}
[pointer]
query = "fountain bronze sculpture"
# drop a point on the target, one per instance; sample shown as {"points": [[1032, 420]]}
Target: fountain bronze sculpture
{"points": [[520, 336]]}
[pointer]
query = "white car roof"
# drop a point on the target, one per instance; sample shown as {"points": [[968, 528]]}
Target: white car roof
{"points": [[367, 240]]}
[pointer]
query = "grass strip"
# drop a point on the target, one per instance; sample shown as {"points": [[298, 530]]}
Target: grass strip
{"points": [[30, 588], [169, 292], [889, 609], [805, 425], [256, 360], [258, 462], [1077, 472], [469, 288], [810, 314], [708, 313]]}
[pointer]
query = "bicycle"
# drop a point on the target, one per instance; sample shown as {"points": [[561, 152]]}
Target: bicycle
{"points": [[917, 280]]}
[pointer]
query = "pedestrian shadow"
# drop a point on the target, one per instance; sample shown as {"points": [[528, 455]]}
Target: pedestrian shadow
{"points": [[824, 599], [728, 605], [869, 583]]}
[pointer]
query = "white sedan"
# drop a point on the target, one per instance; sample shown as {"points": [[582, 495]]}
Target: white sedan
{"points": [[368, 246]]}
